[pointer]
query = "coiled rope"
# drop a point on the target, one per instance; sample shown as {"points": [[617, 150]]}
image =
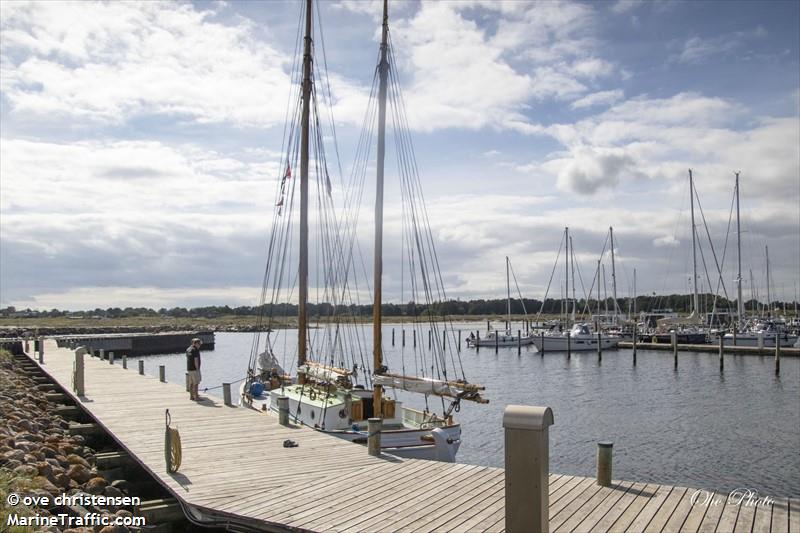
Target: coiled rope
{"points": [[172, 446]]}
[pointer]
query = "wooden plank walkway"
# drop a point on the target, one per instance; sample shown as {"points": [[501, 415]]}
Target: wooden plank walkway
{"points": [[235, 471]]}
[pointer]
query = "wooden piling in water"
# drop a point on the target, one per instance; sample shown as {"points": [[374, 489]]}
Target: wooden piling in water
{"points": [[519, 342], [635, 333], [444, 338], [777, 355], [496, 342], [541, 351], [458, 348], [430, 335], [674, 340], [599, 347], [392, 336], [403, 337], [735, 332], [569, 346], [721, 352]]}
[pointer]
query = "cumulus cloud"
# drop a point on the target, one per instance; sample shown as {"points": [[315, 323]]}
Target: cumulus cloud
{"points": [[598, 99], [590, 169], [126, 60]]}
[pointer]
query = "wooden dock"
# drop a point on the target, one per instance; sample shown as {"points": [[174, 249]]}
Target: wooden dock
{"points": [[712, 348], [236, 473]]}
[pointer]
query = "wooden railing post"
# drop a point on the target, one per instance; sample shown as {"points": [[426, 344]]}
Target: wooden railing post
{"points": [[604, 456], [226, 394], [141, 367], [283, 410], [527, 461], [374, 426], [110, 358], [162, 373], [79, 379]]}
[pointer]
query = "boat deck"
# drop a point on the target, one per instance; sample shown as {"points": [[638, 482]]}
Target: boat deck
{"points": [[235, 471]]}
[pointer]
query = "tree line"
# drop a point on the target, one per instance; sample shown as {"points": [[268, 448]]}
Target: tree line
{"points": [[679, 303]]}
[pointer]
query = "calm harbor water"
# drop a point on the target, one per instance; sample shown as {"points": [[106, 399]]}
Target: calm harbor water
{"points": [[695, 426]]}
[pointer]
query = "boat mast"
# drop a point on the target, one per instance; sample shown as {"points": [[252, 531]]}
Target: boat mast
{"points": [[769, 300], [598, 286], [508, 287], [695, 301], [613, 275], [572, 268], [303, 251], [740, 306], [566, 277], [383, 74]]}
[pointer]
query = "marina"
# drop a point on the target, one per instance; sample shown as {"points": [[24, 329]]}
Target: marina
{"points": [[215, 486]]}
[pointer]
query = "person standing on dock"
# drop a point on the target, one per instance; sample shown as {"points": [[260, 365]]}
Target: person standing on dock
{"points": [[193, 368]]}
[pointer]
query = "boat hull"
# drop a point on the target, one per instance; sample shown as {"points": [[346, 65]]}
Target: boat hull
{"points": [[576, 344], [786, 340]]}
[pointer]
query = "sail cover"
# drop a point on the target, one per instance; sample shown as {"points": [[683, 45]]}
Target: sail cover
{"points": [[320, 372], [419, 385]]}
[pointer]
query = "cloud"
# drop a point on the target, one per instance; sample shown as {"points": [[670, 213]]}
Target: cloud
{"points": [[127, 60], [666, 241], [598, 98], [697, 50], [590, 169]]}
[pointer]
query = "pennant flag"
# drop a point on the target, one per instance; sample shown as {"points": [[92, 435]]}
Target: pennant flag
{"points": [[288, 173]]}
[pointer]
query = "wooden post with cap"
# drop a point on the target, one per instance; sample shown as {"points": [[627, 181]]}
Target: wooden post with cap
{"points": [[527, 464]]}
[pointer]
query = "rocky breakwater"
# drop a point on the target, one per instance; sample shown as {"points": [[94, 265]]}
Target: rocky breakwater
{"points": [[39, 458]]}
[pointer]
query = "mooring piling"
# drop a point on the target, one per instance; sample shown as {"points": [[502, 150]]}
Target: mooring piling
{"points": [[604, 458]]}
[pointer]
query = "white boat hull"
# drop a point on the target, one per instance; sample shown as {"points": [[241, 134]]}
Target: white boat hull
{"points": [[503, 341], [559, 343], [786, 341]]}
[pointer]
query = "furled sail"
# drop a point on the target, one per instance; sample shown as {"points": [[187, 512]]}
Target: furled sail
{"points": [[437, 387]]}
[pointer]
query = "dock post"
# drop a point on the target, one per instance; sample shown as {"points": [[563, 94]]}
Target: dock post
{"points": [[527, 463], [519, 342], [374, 438], [477, 340], [488, 325], [414, 337], [392, 336], [162, 373], [569, 346], [635, 328], [403, 337], [186, 378], [721, 352], [141, 367], [102, 354], [541, 352], [674, 341], [283, 410], [429, 339], [41, 353], [777, 354], [599, 346], [110, 358], [735, 328], [27, 346], [496, 342], [226, 394], [604, 453], [125, 360], [444, 337], [79, 380], [459, 341], [760, 341]]}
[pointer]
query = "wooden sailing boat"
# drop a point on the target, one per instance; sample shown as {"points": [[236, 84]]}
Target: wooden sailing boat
{"points": [[326, 396]]}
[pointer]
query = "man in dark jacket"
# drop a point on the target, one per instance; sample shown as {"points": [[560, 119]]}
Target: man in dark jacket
{"points": [[193, 368]]}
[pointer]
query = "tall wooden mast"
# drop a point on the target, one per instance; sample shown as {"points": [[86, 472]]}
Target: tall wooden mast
{"points": [[302, 281], [383, 74]]}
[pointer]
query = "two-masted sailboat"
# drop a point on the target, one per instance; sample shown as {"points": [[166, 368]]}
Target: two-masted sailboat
{"points": [[327, 393]]}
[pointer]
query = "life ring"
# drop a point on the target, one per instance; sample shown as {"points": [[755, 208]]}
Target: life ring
{"points": [[312, 394]]}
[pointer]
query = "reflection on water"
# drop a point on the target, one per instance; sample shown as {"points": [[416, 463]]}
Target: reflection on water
{"points": [[694, 426]]}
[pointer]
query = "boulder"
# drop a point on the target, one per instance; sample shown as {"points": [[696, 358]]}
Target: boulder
{"points": [[74, 459], [26, 471], [96, 485], [79, 473]]}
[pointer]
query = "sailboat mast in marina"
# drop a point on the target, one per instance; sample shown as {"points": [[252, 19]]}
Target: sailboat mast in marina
{"points": [[302, 276]]}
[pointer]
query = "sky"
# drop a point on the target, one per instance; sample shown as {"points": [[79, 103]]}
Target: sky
{"points": [[140, 143]]}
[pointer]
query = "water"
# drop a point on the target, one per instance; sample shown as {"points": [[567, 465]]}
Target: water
{"points": [[694, 427]]}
